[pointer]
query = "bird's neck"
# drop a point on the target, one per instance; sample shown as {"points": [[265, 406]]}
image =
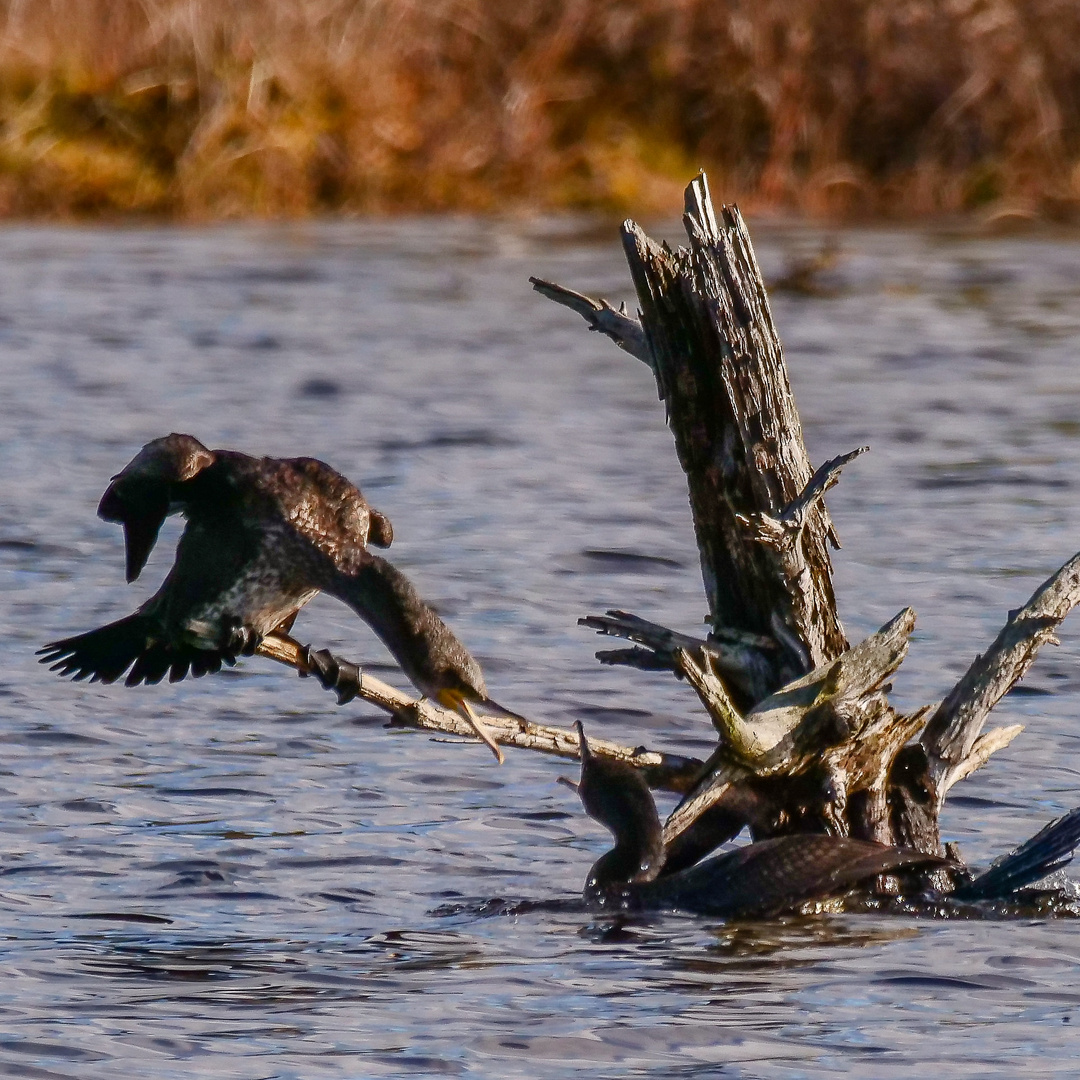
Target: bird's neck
{"points": [[638, 856], [428, 652]]}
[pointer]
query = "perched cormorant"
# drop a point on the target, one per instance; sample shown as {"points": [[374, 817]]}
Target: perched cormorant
{"points": [[769, 876], [263, 536]]}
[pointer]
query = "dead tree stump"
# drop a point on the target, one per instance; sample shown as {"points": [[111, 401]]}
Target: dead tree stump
{"points": [[807, 740]]}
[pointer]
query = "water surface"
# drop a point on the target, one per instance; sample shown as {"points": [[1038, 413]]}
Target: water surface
{"points": [[233, 877]]}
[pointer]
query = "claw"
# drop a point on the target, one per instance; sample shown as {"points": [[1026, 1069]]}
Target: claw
{"points": [[340, 676], [348, 681], [322, 665]]}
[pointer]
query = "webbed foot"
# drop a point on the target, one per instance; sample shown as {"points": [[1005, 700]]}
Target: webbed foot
{"points": [[341, 676]]}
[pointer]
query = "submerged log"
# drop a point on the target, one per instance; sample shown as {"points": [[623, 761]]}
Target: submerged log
{"points": [[807, 738]]}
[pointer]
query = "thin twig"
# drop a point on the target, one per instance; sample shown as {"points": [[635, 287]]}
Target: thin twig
{"points": [[622, 328]]}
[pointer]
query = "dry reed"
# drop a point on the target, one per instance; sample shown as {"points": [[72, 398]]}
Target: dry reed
{"points": [[216, 108]]}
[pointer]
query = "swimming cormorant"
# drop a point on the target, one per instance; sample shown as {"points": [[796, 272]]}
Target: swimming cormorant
{"points": [[263, 536], [775, 875], [754, 881]]}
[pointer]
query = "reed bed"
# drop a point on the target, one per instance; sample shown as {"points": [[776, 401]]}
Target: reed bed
{"points": [[206, 109]]}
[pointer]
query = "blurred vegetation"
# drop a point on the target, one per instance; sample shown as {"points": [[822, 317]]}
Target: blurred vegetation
{"points": [[204, 109]]}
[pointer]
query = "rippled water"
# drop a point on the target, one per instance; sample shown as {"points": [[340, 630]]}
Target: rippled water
{"points": [[233, 877]]}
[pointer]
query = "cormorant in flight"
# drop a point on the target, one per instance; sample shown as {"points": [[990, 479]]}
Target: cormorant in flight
{"points": [[263, 536]]}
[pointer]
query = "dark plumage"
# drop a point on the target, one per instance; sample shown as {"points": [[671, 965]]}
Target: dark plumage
{"points": [[754, 881], [263, 536], [770, 876], [1050, 849]]}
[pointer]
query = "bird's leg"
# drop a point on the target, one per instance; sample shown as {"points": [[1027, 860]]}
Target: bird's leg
{"points": [[237, 639], [341, 676], [457, 701]]}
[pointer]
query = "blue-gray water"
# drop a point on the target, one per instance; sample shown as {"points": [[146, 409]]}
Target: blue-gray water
{"points": [[233, 877]]}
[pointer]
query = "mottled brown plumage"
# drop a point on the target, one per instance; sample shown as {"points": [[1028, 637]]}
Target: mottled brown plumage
{"points": [[263, 536]]}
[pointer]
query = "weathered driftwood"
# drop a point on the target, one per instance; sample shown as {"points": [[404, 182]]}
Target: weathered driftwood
{"points": [[668, 772], [953, 744], [807, 739]]}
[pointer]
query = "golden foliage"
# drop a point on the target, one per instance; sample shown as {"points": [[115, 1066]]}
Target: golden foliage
{"points": [[219, 108]]}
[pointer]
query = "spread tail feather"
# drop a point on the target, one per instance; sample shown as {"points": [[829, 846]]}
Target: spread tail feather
{"points": [[103, 655], [1048, 850]]}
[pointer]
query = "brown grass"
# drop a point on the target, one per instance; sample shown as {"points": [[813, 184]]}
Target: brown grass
{"points": [[218, 108]]}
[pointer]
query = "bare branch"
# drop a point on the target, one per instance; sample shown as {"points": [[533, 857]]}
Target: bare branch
{"points": [[659, 638], [949, 738], [636, 657], [986, 744], [795, 515], [738, 656], [668, 772], [624, 330]]}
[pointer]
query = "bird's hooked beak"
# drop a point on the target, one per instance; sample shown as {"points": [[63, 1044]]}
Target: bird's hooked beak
{"points": [[583, 752], [455, 700]]}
